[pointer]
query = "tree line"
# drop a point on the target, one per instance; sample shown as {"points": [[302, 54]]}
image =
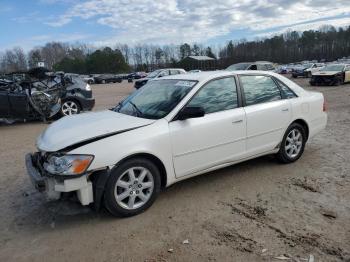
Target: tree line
{"points": [[327, 43]]}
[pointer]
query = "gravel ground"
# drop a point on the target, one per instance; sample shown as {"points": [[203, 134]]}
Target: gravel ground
{"points": [[254, 211]]}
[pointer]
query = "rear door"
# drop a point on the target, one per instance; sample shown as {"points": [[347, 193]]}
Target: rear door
{"points": [[268, 115], [216, 138]]}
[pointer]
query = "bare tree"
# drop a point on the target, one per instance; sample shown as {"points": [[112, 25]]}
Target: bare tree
{"points": [[34, 57], [53, 53], [14, 60]]}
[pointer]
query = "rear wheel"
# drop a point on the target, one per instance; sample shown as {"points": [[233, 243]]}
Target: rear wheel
{"points": [[293, 144], [132, 187], [70, 107]]}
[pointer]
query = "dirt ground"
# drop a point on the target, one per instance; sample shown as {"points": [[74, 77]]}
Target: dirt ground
{"points": [[254, 211]]}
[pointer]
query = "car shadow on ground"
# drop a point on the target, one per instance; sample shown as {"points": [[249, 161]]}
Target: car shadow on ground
{"points": [[69, 213]]}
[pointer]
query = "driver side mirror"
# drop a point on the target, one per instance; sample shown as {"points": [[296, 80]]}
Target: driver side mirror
{"points": [[190, 112]]}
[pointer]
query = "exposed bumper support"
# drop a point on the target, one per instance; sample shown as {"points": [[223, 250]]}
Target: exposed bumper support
{"points": [[53, 187]]}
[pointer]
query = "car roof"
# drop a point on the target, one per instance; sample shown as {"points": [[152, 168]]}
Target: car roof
{"points": [[207, 75], [339, 64], [203, 77]]}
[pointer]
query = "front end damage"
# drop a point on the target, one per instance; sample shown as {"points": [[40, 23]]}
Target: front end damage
{"points": [[38, 96], [326, 79], [53, 186]]}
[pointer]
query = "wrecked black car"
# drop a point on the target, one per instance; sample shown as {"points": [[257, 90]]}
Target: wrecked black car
{"points": [[43, 95], [78, 96], [332, 74], [107, 78]]}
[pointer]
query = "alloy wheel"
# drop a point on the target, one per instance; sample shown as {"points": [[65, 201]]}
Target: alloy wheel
{"points": [[294, 143], [134, 188], [70, 108]]}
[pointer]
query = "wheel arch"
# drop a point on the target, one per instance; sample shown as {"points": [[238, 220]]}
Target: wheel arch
{"points": [[69, 98], [155, 160], [304, 124]]}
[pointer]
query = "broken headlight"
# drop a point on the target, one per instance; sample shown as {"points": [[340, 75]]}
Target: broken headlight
{"points": [[68, 164]]}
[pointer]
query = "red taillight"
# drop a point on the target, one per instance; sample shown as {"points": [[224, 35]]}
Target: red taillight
{"points": [[324, 105]]}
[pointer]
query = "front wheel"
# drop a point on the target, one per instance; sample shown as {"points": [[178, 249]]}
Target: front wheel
{"points": [[338, 82], [132, 187], [293, 144]]}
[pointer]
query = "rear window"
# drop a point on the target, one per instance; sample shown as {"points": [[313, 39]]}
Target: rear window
{"points": [[259, 89], [286, 91]]}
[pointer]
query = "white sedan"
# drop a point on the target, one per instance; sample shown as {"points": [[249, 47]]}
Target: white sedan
{"points": [[171, 129]]}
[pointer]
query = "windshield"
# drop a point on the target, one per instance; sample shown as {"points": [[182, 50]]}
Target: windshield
{"points": [[153, 74], [155, 99], [333, 68], [239, 66]]}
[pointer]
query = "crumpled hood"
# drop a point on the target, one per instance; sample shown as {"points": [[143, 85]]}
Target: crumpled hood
{"points": [[74, 129], [325, 73]]}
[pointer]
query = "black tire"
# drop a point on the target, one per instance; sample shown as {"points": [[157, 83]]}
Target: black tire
{"points": [[282, 155], [110, 201], [294, 76], [312, 83], [338, 82]]}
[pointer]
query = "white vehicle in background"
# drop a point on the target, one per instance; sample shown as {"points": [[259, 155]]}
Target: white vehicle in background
{"points": [[314, 68], [306, 70], [172, 129], [258, 65], [194, 71], [158, 74], [88, 79]]}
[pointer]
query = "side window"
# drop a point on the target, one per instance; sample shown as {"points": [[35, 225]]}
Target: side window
{"points": [[270, 67], [253, 67], [164, 73], [174, 72], [217, 95], [259, 89], [261, 67], [286, 92]]}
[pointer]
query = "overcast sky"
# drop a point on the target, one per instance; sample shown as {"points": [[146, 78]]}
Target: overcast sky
{"points": [[29, 23]]}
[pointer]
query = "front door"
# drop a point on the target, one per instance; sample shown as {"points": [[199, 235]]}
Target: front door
{"points": [[216, 138]]}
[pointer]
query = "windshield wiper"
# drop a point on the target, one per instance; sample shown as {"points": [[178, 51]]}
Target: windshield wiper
{"points": [[139, 113]]}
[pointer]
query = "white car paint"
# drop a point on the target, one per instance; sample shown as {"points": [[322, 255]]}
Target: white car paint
{"points": [[78, 128], [315, 68], [193, 146]]}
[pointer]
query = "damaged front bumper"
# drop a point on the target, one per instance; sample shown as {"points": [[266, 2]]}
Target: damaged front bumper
{"points": [[54, 186]]}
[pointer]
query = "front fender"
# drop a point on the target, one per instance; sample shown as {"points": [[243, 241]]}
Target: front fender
{"points": [[152, 139]]}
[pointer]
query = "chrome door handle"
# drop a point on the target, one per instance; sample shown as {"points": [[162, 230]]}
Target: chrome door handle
{"points": [[237, 121], [285, 110]]}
